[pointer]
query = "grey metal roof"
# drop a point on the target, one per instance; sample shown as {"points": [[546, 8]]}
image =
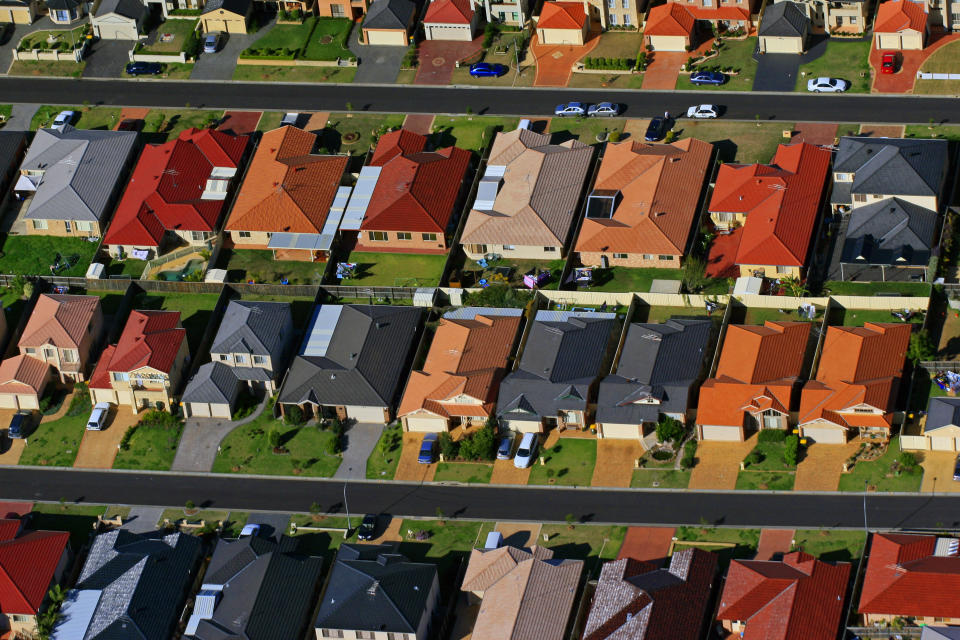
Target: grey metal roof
{"points": [[364, 363], [256, 328], [891, 231], [784, 20], [143, 579], [469, 313], [892, 166], [215, 383], [942, 412], [658, 363], [133, 9], [374, 588], [10, 144], [80, 170], [239, 7], [389, 14], [940, 633]]}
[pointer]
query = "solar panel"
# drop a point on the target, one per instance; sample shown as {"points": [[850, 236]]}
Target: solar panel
{"points": [[322, 326], [360, 198]]}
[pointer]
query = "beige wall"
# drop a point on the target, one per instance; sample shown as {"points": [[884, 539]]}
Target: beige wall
{"points": [[154, 390], [633, 260], [187, 236], [59, 228], [927, 202], [221, 20], [770, 271], [519, 252], [25, 15], [871, 619], [732, 220], [668, 43], [521, 426], [415, 244], [561, 36], [75, 369]]}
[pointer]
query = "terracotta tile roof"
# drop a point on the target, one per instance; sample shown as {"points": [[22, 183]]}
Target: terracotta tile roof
{"points": [[905, 578], [562, 15], [416, 191], [781, 202], [670, 19], [900, 15], [659, 190], [23, 374], [800, 598], [397, 143], [149, 339], [165, 190], [449, 12], [487, 566], [720, 13], [467, 357], [287, 188], [60, 320], [28, 564]]}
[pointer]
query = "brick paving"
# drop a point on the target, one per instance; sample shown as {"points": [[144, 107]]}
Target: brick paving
{"points": [[408, 468], [615, 459], [131, 113], [98, 448], [555, 62], [635, 129], [650, 544], [438, 59], [505, 473], [718, 463], [814, 133], [882, 130], [418, 123], [909, 63], [663, 71], [821, 466], [239, 122], [519, 534], [317, 121], [774, 543]]}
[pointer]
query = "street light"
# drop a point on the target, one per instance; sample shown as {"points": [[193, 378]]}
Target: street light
{"points": [[865, 528], [347, 506]]}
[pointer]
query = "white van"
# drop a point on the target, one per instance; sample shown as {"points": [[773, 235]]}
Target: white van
{"points": [[526, 451]]}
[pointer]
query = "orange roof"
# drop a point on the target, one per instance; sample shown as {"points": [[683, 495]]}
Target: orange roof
{"points": [[449, 12], [23, 374], [60, 320], [467, 357], [670, 19], [659, 189], [900, 15], [562, 15], [720, 13], [287, 189]]}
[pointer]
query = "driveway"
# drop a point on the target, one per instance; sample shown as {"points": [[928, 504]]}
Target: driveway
{"points": [[142, 519], [615, 459], [649, 544], [21, 117], [518, 534], [718, 463], [938, 471], [664, 69], [505, 473], [774, 543], [201, 440], [408, 468], [779, 71], [555, 62], [272, 525], [20, 30], [907, 66], [438, 59], [822, 465], [107, 58], [376, 64], [359, 441], [98, 448], [239, 123], [220, 65]]}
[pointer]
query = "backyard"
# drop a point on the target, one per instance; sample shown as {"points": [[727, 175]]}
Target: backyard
{"points": [[357, 132], [258, 265], [151, 443], [856, 317], [744, 142], [395, 269], [845, 59], [569, 462], [35, 255], [881, 474], [173, 36], [508, 270], [643, 313], [87, 117], [467, 132], [627, 279], [840, 288], [760, 315], [196, 310], [55, 443], [733, 54]]}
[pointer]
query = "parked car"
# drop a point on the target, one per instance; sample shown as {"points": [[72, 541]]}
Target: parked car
{"points": [[707, 77], [656, 129], [144, 68], [211, 43], [368, 527], [956, 470], [827, 85], [20, 425], [428, 449], [63, 119], [488, 69], [98, 417], [526, 451], [608, 109], [6, 31], [888, 62], [290, 119], [505, 448], [703, 111], [570, 109], [250, 531]]}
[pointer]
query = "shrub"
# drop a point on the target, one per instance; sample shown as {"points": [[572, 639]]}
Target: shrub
{"points": [[661, 454], [669, 429], [489, 33], [921, 346], [448, 448], [480, 445], [771, 435], [293, 415], [754, 457], [614, 136], [125, 440], [80, 403], [790, 449], [908, 461], [689, 454]]}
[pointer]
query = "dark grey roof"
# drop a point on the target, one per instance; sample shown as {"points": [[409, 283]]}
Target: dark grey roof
{"points": [[374, 588], [389, 14], [784, 20], [940, 633], [268, 591], [562, 357], [658, 363], [10, 144], [942, 412], [144, 580], [257, 328], [239, 7], [80, 170], [63, 5], [16, 4], [364, 363], [133, 9], [891, 166], [891, 231], [214, 382]]}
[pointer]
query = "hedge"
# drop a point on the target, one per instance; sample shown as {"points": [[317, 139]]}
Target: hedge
{"points": [[623, 64]]}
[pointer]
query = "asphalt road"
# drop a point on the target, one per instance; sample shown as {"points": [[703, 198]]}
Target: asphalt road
{"points": [[787, 107], [486, 502]]}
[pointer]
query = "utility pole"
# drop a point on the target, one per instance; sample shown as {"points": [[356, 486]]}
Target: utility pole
{"points": [[865, 528], [347, 506]]}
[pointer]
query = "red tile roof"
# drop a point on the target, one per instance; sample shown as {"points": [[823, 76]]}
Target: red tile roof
{"points": [[15, 509], [150, 339], [60, 320], [900, 15], [562, 15], [397, 143], [781, 202], [720, 13], [904, 578], [800, 598], [670, 19], [28, 565], [449, 12], [165, 190], [23, 374]]}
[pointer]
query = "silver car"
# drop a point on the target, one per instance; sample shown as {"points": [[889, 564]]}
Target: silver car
{"points": [[570, 109], [827, 85], [63, 119], [703, 111], [604, 109]]}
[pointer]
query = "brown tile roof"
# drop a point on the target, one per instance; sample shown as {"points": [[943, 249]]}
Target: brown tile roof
{"points": [[659, 187], [287, 188], [23, 374], [900, 15], [670, 19], [60, 320]]}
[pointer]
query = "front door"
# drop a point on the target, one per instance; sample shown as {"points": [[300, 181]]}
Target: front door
{"points": [[341, 413]]}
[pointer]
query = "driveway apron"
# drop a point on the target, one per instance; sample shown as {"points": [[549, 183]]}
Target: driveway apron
{"points": [[107, 58], [438, 59], [648, 544], [201, 440], [359, 441], [779, 71], [19, 31], [220, 65], [376, 64], [773, 543]]}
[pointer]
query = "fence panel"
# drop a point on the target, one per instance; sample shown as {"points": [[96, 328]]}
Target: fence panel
{"points": [[914, 443]]}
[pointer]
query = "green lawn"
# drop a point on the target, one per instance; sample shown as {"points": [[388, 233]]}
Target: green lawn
{"points": [[588, 542], [583, 129], [326, 39], [272, 73], [128, 267], [660, 479], [834, 545], [210, 516], [471, 272], [463, 472], [602, 81], [745, 142], [744, 540], [269, 120], [77, 519], [856, 317], [290, 37], [449, 542], [65, 38], [845, 59], [765, 480], [943, 60], [382, 463], [165, 124], [152, 447], [243, 265], [635, 280], [47, 68], [617, 44], [6, 110], [13, 306], [467, 132], [878, 475], [109, 300], [772, 454], [196, 311], [735, 54], [55, 443], [34, 255], [87, 117], [569, 462], [913, 289], [662, 314], [321, 543], [356, 133], [396, 269], [461, 76], [947, 131], [181, 30], [758, 315]]}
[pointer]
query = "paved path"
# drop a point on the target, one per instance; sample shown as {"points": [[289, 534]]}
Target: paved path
{"points": [[201, 439], [20, 117], [651, 544], [360, 439], [19, 31], [418, 123], [718, 463], [822, 465], [143, 519], [774, 543], [107, 59], [377, 64]]}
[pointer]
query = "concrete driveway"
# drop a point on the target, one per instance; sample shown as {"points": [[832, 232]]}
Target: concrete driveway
{"points": [[201, 439], [359, 440], [107, 58], [938, 471], [98, 448], [220, 65], [779, 71], [20, 30], [377, 64]]}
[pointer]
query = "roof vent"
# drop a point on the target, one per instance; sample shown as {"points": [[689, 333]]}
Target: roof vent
{"points": [[333, 376], [675, 159], [741, 197], [659, 213], [380, 325], [372, 589]]}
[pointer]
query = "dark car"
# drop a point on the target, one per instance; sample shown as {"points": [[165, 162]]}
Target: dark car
{"points": [[487, 70], [6, 30], [428, 449], [505, 448], [657, 129], [368, 527], [956, 470], [707, 77], [144, 69], [130, 124], [19, 425]]}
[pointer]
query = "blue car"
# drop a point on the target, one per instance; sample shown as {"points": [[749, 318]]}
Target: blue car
{"points": [[428, 449], [144, 68], [488, 70], [707, 77]]}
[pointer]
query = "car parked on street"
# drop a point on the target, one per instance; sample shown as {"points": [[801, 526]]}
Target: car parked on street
{"points": [[703, 111], [98, 417], [827, 85], [20, 425], [63, 119], [657, 129], [570, 109], [144, 68], [707, 77], [211, 42], [505, 448], [604, 109], [888, 62], [488, 70], [428, 449], [526, 451]]}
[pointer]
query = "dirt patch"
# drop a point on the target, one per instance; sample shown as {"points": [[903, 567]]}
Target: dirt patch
{"points": [[615, 460], [408, 468]]}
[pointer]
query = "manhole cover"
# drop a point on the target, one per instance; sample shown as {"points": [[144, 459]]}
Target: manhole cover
{"points": [[439, 62]]}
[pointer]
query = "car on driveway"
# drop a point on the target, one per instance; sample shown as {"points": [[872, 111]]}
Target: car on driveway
{"points": [[703, 111], [211, 43], [6, 31], [570, 109], [63, 119], [956, 470], [707, 77], [505, 448], [368, 527], [428, 449], [250, 531], [20, 425], [827, 85], [656, 129], [98, 417], [488, 70], [144, 68], [526, 451], [130, 124], [888, 62], [604, 109], [290, 119]]}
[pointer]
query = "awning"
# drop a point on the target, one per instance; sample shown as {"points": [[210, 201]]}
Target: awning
{"points": [[304, 241]]}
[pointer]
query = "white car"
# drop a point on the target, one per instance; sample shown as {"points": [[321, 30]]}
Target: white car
{"points": [[290, 119], [607, 109], [63, 119], [570, 109], [827, 85], [98, 417], [526, 451], [703, 111], [250, 530]]}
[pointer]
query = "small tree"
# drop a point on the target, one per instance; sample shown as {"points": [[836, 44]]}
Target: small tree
{"points": [[921, 347], [794, 287], [448, 448], [273, 437], [790, 448], [293, 415], [908, 461], [28, 289], [315, 508], [669, 429], [757, 118], [694, 274], [189, 505], [570, 518]]}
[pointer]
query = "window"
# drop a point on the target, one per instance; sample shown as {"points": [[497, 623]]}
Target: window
{"points": [[365, 635], [49, 353], [377, 236], [477, 248], [853, 19], [550, 249], [17, 617], [508, 247], [403, 235], [771, 420], [648, 256], [31, 351], [859, 197], [624, 4], [502, 15], [224, 357], [429, 237], [332, 633], [243, 234], [120, 376], [66, 226], [515, 16], [69, 355], [664, 258], [843, 177], [261, 360], [955, 17], [39, 224], [62, 16], [611, 4], [336, 10], [613, 19], [240, 358], [620, 256], [84, 226], [269, 234], [626, 19], [782, 270]]}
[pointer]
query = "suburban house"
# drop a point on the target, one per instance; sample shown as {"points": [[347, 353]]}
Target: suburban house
{"points": [[144, 368], [23, 380], [291, 200], [757, 382], [31, 563], [353, 361], [72, 178], [941, 425], [413, 206], [119, 19], [373, 591], [528, 197], [670, 27], [901, 24], [511, 12], [451, 20], [211, 392], [256, 588], [389, 22], [133, 586], [909, 576], [176, 193], [836, 16], [644, 206], [565, 354], [352, 9], [658, 366], [523, 593], [636, 599], [785, 28], [13, 144], [19, 11], [562, 22], [772, 209], [61, 331], [226, 16], [66, 12], [858, 378], [798, 597], [468, 358]]}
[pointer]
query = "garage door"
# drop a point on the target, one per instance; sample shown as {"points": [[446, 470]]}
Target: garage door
{"points": [[220, 411], [729, 434], [782, 45], [623, 431], [434, 425], [8, 401], [668, 43], [396, 38], [942, 444], [28, 402], [366, 414], [450, 32], [116, 32], [199, 409], [888, 41], [521, 426], [825, 435]]}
